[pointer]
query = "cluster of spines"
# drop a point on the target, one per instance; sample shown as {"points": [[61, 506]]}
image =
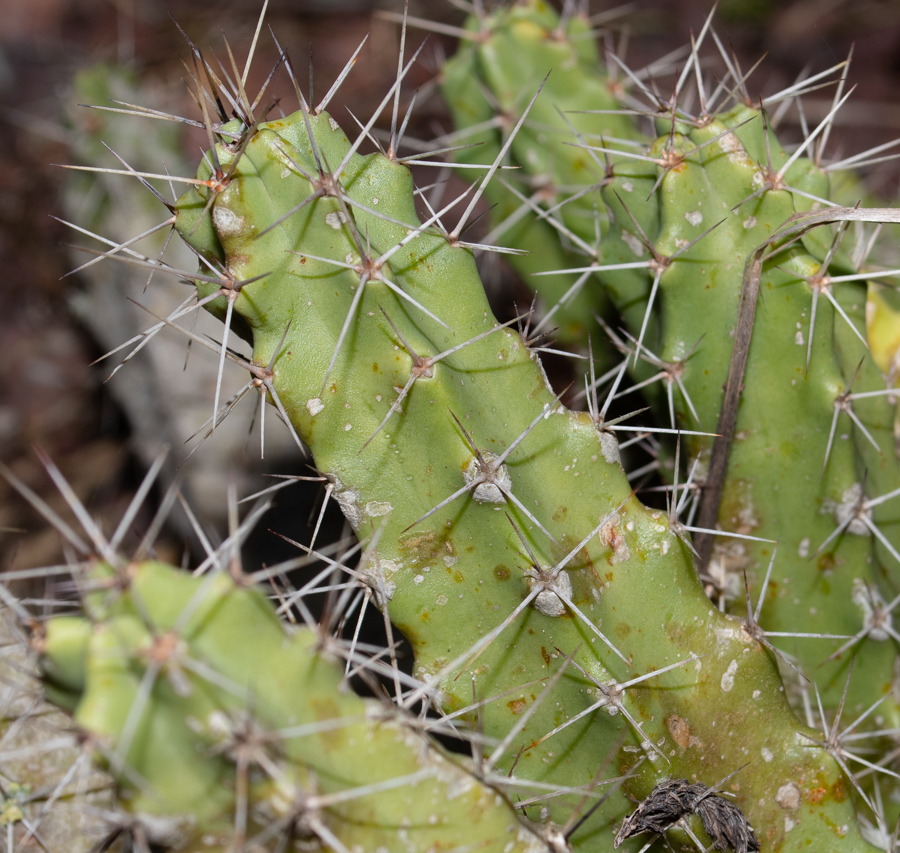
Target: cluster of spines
{"points": [[687, 226], [566, 592], [224, 726]]}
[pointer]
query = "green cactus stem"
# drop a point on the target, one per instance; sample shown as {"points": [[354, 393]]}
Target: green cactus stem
{"points": [[222, 724], [349, 294], [812, 459]]}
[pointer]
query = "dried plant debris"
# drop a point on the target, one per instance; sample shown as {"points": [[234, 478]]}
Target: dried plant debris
{"points": [[672, 801]]}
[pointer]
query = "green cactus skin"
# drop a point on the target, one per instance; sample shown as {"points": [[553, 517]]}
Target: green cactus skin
{"points": [[530, 37], [184, 680], [787, 498], [775, 486], [453, 576]]}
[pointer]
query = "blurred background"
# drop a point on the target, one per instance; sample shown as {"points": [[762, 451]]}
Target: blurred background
{"points": [[56, 54]]}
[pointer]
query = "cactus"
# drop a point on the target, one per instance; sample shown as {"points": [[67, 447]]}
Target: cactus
{"points": [[485, 103], [681, 220], [498, 530], [224, 728]]}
